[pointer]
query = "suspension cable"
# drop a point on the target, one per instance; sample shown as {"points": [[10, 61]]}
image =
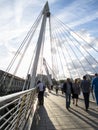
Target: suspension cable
{"points": [[31, 32], [20, 48], [76, 34], [82, 47], [69, 55], [73, 50]]}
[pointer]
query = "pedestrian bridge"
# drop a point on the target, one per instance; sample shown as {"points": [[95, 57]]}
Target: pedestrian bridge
{"points": [[54, 115], [71, 56], [21, 112]]}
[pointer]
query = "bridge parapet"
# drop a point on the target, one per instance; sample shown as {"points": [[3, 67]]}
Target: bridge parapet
{"points": [[15, 109]]}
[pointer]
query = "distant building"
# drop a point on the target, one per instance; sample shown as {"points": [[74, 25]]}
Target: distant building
{"points": [[16, 85]]}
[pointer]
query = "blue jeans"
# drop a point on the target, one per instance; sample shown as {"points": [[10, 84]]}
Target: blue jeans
{"points": [[68, 98], [96, 96]]}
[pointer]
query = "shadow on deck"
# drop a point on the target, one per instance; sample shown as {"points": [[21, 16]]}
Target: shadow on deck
{"points": [[54, 115]]}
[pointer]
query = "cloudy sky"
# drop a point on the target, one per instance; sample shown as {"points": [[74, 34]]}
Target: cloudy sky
{"points": [[17, 16]]}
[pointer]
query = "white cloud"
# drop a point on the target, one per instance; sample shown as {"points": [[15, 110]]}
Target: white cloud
{"points": [[16, 18]]}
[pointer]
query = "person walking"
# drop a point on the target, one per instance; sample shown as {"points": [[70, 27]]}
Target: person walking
{"points": [[62, 88], [41, 89], [67, 88], [56, 89], [85, 86], [95, 87], [76, 92]]}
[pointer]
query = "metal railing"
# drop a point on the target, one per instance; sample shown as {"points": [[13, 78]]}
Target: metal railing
{"points": [[16, 108]]}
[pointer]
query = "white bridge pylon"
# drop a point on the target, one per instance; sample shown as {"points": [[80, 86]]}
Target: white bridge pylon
{"points": [[46, 13], [47, 72]]}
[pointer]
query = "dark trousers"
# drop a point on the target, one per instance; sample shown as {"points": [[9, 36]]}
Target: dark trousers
{"points": [[68, 98], [96, 96], [41, 97], [86, 100]]}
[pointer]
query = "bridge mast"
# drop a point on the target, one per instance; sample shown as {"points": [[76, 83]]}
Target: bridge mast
{"points": [[47, 71], [46, 14]]}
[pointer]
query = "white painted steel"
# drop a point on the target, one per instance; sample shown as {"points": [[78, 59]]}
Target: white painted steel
{"points": [[15, 109]]}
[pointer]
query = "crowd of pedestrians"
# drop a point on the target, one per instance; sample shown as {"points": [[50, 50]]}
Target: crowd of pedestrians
{"points": [[73, 90]]}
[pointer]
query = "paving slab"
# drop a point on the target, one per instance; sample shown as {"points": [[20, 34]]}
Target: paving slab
{"points": [[53, 115]]}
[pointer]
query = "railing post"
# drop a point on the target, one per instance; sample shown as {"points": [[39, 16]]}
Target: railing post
{"points": [[20, 107]]}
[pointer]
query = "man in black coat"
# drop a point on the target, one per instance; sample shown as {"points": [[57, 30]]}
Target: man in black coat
{"points": [[67, 88]]}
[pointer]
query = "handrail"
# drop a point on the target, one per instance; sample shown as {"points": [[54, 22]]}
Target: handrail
{"points": [[16, 108], [7, 98]]}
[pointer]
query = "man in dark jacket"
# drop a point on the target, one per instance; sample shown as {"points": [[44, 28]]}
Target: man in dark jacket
{"points": [[85, 86], [67, 88]]}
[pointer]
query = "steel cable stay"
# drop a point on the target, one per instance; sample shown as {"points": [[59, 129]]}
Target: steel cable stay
{"points": [[26, 85], [51, 41], [88, 55], [85, 56], [26, 47], [82, 47], [53, 72], [77, 58], [66, 49], [55, 38], [58, 45], [82, 39], [21, 47], [54, 41], [46, 13], [24, 51], [28, 71], [68, 37], [32, 29], [76, 34], [55, 66], [66, 41], [41, 57], [55, 27], [40, 62], [82, 54], [52, 55], [21, 58]]}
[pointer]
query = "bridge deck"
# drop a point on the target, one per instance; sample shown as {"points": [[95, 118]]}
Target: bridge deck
{"points": [[54, 115]]}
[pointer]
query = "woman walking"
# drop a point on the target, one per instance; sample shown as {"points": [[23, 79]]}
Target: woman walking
{"points": [[76, 92]]}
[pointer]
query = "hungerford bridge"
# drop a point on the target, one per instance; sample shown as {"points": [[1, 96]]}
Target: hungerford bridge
{"points": [[71, 56]]}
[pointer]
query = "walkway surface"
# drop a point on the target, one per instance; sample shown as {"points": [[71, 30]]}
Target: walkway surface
{"points": [[54, 115]]}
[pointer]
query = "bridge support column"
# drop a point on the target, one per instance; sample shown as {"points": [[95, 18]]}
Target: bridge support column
{"points": [[46, 14]]}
